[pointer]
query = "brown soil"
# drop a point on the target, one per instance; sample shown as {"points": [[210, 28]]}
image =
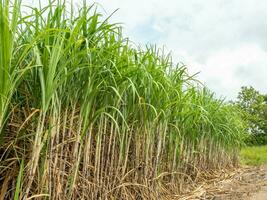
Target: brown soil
{"points": [[249, 184], [261, 195], [239, 184]]}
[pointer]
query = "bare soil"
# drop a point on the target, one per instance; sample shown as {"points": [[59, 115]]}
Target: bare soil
{"points": [[250, 184], [236, 184]]}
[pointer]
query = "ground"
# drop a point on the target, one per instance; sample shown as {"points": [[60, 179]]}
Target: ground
{"points": [[248, 182], [244, 183]]}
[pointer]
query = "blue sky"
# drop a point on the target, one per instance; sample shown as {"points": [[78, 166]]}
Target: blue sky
{"points": [[224, 40]]}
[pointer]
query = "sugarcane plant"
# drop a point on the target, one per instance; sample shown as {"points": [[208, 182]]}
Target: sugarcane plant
{"points": [[87, 114]]}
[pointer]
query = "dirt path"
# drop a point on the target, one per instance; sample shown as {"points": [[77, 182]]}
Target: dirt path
{"points": [[248, 184], [261, 195], [236, 184]]}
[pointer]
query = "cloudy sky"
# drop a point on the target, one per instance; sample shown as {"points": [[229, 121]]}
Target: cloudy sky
{"points": [[224, 40]]}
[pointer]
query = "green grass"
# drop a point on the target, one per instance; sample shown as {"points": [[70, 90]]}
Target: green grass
{"points": [[254, 156]]}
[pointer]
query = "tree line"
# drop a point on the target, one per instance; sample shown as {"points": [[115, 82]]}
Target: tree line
{"points": [[253, 105]]}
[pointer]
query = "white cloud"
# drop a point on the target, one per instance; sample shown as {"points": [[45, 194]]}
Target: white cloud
{"points": [[223, 39], [228, 69]]}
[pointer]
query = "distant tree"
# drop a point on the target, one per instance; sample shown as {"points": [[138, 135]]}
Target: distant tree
{"points": [[254, 106]]}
